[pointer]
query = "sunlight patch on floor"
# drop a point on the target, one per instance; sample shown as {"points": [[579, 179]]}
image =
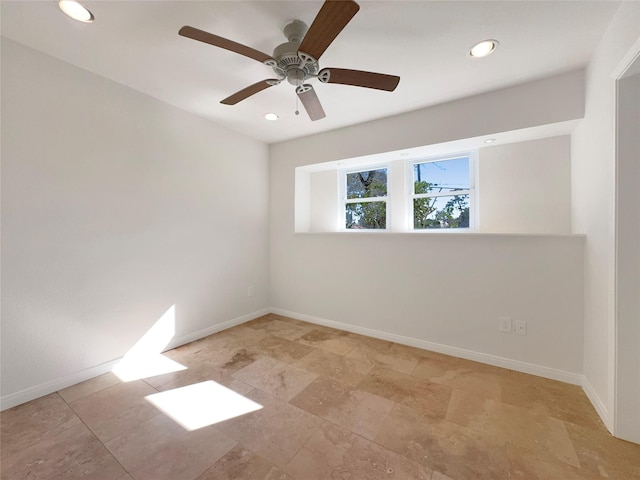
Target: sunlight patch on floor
{"points": [[144, 359], [202, 404], [144, 366]]}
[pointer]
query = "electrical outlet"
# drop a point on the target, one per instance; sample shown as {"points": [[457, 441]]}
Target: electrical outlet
{"points": [[250, 291], [521, 327], [505, 324]]}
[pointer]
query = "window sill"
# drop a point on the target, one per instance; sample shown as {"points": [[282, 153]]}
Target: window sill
{"points": [[457, 232]]}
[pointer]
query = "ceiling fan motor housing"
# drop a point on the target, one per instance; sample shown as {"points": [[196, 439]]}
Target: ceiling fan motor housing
{"points": [[289, 64]]}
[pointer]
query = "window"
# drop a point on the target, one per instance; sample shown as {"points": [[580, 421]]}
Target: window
{"points": [[388, 193], [365, 199], [442, 193]]}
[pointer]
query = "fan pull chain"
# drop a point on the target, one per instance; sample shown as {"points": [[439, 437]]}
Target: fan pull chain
{"points": [[297, 111]]}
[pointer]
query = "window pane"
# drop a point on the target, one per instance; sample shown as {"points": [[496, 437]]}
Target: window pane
{"points": [[366, 215], [441, 212], [372, 183], [441, 176]]}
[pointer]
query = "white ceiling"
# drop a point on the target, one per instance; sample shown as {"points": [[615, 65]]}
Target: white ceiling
{"points": [[136, 43]]}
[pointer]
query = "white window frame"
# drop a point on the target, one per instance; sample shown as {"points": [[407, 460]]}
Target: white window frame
{"points": [[344, 200], [472, 156]]}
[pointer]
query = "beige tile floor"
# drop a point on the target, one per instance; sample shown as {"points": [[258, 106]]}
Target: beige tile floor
{"points": [[334, 406]]}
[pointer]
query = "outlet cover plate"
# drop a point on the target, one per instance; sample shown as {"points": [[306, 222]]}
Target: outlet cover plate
{"points": [[521, 327], [505, 324]]}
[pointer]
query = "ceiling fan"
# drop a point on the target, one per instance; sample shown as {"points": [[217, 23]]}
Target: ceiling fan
{"points": [[297, 60]]}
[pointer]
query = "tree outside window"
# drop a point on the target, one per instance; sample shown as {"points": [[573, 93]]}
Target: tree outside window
{"points": [[441, 194], [366, 200]]}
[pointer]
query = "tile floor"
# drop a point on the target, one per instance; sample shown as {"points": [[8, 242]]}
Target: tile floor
{"points": [[334, 406]]}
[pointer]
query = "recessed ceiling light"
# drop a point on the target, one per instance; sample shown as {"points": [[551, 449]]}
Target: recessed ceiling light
{"points": [[483, 48], [76, 11], [490, 140], [271, 116]]}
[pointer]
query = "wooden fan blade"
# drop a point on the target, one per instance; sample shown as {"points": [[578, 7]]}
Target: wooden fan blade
{"points": [[311, 103], [247, 92], [216, 41], [358, 78], [331, 19]]}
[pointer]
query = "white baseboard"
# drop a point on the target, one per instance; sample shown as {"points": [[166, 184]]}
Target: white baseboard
{"points": [[42, 389], [192, 337], [37, 391], [31, 393], [533, 369], [597, 403]]}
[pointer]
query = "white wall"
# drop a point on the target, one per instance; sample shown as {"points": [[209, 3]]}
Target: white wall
{"points": [[593, 203], [445, 290], [628, 259], [323, 200], [542, 102], [525, 187], [116, 206]]}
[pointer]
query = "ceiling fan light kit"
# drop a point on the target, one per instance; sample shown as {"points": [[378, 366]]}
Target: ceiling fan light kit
{"points": [[296, 60]]}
